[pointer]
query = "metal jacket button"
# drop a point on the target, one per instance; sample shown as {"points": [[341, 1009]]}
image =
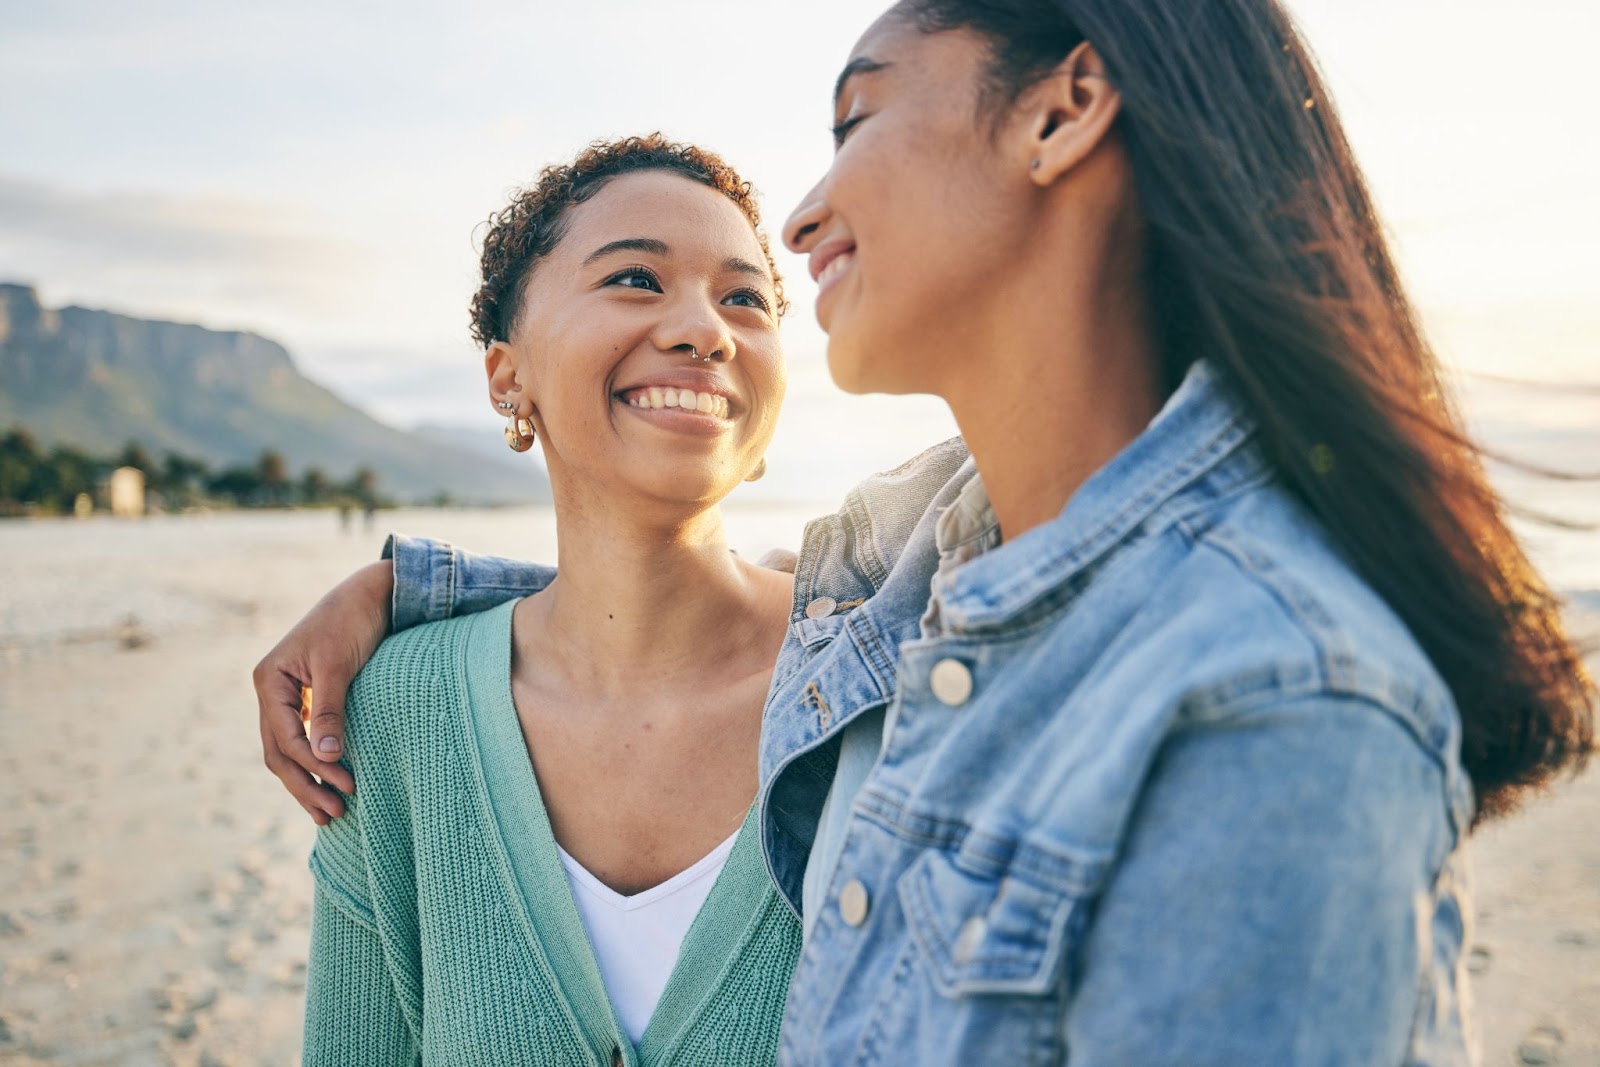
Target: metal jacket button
{"points": [[821, 607], [951, 682], [853, 903]]}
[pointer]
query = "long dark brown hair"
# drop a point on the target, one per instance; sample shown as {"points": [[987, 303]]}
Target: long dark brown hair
{"points": [[1264, 254]]}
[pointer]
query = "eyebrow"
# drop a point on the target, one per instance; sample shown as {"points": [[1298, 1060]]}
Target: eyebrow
{"points": [[858, 65], [629, 244], [744, 266]]}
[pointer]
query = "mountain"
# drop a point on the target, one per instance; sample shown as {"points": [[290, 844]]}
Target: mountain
{"points": [[99, 380]]}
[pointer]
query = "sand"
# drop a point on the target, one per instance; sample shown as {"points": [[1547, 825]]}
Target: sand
{"points": [[154, 897]]}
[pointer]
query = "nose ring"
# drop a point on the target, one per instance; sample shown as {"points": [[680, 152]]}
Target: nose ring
{"points": [[695, 356]]}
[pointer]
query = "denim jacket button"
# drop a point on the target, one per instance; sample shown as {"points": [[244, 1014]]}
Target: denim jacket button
{"points": [[853, 903], [821, 607], [951, 682], [971, 936]]}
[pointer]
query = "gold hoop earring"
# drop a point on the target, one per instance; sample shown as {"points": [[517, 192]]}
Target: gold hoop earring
{"points": [[755, 475], [519, 433]]}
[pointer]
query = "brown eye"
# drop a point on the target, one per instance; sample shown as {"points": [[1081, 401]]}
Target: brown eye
{"points": [[636, 278]]}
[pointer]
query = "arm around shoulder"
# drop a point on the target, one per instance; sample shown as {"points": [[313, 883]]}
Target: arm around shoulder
{"points": [[434, 580], [1285, 895]]}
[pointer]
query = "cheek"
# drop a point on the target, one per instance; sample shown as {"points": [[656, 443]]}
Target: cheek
{"points": [[922, 264], [769, 382]]}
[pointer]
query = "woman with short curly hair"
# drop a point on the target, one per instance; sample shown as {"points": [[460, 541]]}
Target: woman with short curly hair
{"points": [[549, 855]]}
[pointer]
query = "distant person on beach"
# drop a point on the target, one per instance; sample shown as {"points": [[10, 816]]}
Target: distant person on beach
{"points": [[1147, 722], [550, 855]]}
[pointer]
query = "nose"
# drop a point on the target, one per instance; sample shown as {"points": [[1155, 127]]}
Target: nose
{"points": [[696, 327], [805, 222]]}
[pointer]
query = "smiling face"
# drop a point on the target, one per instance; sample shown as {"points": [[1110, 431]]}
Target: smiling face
{"points": [[646, 343], [913, 230]]}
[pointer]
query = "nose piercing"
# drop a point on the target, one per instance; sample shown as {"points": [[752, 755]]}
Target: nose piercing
{"points": [[694, 354]]}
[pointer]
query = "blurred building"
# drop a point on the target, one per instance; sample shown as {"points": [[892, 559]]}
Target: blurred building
{"points": [[127, 492]]}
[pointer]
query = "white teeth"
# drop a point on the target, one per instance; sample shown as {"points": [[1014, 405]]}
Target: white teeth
{"points": [[836, 266], [655, 396]]}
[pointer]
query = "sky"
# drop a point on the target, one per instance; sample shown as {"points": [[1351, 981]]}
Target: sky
{"points": [[317, 172]]}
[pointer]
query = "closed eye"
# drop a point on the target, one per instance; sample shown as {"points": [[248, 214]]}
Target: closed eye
{"points": [[842, 130]]}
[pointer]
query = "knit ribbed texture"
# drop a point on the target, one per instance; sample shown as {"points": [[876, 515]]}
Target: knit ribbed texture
{"points": [[445, 930]]}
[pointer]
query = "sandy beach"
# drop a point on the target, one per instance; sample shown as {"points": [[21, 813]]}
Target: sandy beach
{"points": [[154, 895]]}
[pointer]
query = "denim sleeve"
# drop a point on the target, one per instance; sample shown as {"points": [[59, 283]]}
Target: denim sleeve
{"points": [[1287, 894], [434, 580]]}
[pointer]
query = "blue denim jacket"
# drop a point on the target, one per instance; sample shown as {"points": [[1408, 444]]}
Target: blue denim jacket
{"points": [[1160, 782]]}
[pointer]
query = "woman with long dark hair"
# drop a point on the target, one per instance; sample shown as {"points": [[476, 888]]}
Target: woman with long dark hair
{"points": [[1153, 731]]}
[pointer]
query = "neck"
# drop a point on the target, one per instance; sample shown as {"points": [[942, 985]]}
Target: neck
{"points": [[647, 601], [1064, 375]]}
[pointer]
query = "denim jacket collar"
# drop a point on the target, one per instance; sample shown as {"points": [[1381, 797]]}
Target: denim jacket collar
{"points": [[837, 665], [1199, 436]]}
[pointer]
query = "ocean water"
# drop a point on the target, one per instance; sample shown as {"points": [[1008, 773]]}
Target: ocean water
{"points": [[84, 581], [71, 580], [65, 580], [1558, 430]]}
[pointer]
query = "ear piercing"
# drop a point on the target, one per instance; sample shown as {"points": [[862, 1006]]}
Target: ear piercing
{"points": [[519, 433], [506, 405]]}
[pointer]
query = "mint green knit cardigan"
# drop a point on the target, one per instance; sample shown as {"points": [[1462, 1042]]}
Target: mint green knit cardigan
{"points": [[444, 928]]}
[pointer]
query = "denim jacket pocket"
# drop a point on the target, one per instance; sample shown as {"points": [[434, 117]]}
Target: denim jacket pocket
{"points": [[985, 934], [982, 977]]}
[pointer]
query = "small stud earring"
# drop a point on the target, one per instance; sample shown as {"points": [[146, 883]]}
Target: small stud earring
{"points": [[1034, 165], [506, 405]]}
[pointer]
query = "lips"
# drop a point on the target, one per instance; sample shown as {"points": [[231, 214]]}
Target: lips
{"points": [[836, 269], [826, 254]]}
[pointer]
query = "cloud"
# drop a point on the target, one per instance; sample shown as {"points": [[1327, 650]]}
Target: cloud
{"points": [[221, 261]]}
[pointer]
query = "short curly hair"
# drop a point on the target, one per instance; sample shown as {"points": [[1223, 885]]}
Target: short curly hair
{"points": [[533, 223]]}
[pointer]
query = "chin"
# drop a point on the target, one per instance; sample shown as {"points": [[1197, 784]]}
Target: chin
{"points": [[863, 367]]}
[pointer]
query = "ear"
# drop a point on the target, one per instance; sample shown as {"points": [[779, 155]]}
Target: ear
{"points": [[1069, 115], [501, 369]]}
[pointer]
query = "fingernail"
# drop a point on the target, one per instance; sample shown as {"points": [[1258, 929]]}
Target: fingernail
{"points": [[328, 746]]}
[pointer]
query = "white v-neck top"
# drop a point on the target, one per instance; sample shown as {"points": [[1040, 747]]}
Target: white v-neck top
{"points": [[636, 938]]}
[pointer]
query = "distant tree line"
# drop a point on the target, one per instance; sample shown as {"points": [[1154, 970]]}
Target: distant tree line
{"points": [[33, 480]]}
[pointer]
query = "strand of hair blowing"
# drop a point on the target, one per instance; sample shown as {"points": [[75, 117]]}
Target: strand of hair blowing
{"points": [[1264, 255]]}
